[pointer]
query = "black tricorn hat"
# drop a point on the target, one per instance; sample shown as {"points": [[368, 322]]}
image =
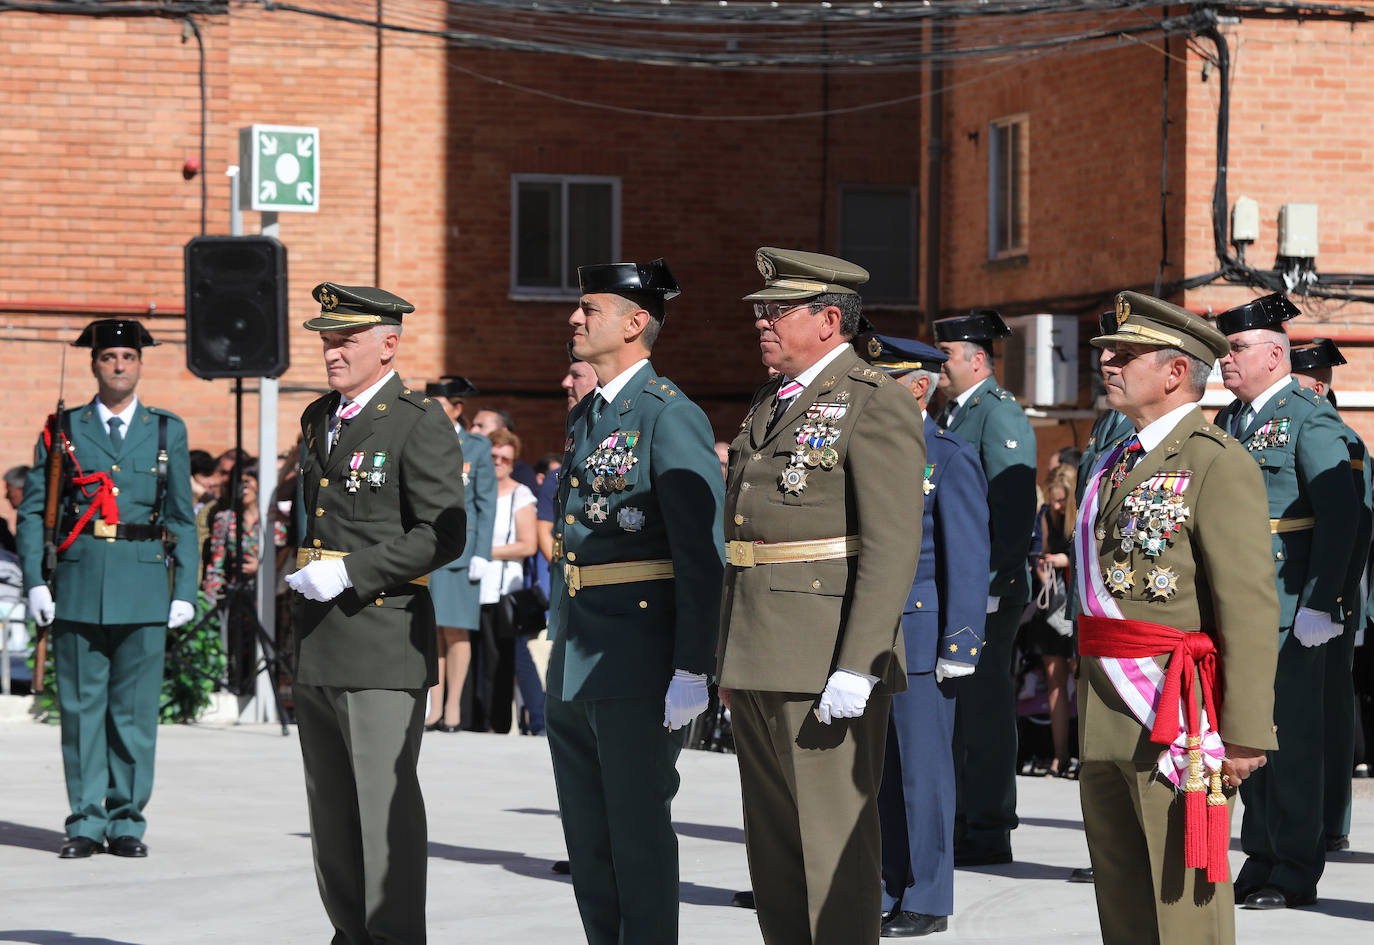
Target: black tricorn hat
{"points": [[1107, 321], [452, 387], [1269, 311], [115, 333], [653, 278], [1321, 353], [981, 326]]}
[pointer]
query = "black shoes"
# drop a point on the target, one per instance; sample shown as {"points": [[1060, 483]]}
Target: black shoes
{"points": [[981, 858], [910, 924], [439, 726], [1337, 844], [744, 899], [561, 867], [1083, 874], [1271, 897], [78, 848], [128, 846]]}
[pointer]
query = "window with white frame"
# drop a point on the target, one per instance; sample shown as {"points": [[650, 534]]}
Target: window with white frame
{"points": [[1008, 174], [558, 223], [876, 228]]}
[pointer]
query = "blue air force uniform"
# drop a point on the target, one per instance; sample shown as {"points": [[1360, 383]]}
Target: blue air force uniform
{"points": [[985, 739], [942, 621], [635, 580]]}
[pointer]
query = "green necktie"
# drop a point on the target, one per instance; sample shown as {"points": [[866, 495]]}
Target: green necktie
{"points": [[598, 405], [116, 437]]}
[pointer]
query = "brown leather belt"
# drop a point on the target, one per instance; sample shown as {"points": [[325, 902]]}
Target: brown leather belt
{"points": [[748, 554], [620, 572], [123, 531], [306, 555]]}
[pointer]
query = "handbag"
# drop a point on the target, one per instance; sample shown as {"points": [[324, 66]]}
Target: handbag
{"points": [[523, 611]]}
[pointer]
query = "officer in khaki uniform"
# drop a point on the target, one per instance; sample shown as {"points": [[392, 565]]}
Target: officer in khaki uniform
{"points": [[823, 515], [114, 599], [635, 592], [1312, 368], [383, 507], [1297, 440], [989, 418], [1174, 577]]}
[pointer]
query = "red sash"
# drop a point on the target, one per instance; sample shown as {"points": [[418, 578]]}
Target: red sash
{"points": [[1206, 830]]}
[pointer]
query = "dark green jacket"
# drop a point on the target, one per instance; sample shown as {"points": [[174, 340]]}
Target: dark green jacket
{"points": [[378, 634], [995, 425], [1307, 474], [624, 641], [104, 581]]}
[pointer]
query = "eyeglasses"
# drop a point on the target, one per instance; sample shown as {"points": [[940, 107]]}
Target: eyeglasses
{"points": [[1238, 346], [501, 460], [774, 312]]}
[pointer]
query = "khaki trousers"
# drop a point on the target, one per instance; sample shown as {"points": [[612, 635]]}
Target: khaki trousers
{"points": [[811, 825], [1134, 826]]}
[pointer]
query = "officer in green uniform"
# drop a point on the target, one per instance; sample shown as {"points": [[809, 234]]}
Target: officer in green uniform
{"points": [[382, 507], [1298, 440], [824, 504], [991, 420], [126, 504], [635, 590], [1312, 368], [1176, 582]]}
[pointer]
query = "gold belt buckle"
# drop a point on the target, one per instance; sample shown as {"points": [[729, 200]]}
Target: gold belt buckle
{"points": [[313, 554], [741, 554], [104, 529], [572, 579]]}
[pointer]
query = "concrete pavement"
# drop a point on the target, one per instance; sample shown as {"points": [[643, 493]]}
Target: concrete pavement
{"points": [[230, 854]]}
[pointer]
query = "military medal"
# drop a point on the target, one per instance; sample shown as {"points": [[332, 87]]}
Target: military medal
{"points": [[355, 473], [630, 519], [926, 485], [597, 509], [467, 468], [1120, 578], [793, 480], [1162, 583], [1153, 513], [611, 460], [815, 438], [377, 475], [1272, 434]]}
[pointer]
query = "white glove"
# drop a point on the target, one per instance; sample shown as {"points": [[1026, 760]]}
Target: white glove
{"points": [[180, 612], [686, 699], [845, 696], [40, 604], [320, 580], [477, 566], [1313, 628], [993, 604], [950, 669]]}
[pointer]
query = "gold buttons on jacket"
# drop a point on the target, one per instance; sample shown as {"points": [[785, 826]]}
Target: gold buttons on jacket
{"points": [[319, 512], [643, 604], [114, 490], [573, 481], [569, 519], [317, 543], [756, 457], [918, 605], [744, 487], [739, 519], [571, 556], [324, 483], [114, 467], [378, 602], [816, 584]]}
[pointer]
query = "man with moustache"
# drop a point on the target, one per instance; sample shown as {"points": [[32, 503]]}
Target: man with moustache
{"points": [[1175, 592], [382, 508], [1297, 440], [634, 605]]}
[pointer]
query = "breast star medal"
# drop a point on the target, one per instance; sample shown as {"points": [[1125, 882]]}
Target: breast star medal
{"points": [[793, 480], [1162, 583], [630, 519], [597, 508], [1120, 579]]}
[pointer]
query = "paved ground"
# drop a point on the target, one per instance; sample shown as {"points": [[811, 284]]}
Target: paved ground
{"points": [[231, 859]]}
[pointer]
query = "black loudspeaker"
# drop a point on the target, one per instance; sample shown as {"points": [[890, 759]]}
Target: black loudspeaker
{"points": [[236, 307]]}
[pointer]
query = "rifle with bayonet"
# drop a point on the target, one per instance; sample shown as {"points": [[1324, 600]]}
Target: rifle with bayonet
{"points": [[55, 477]]}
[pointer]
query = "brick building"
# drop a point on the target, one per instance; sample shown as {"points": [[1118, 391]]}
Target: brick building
{"points": [[449, 174]]}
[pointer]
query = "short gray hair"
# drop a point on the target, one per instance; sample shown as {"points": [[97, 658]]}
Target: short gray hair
{"points": [[932, 376], [1198, 369], [15, 476], [850, 306]]}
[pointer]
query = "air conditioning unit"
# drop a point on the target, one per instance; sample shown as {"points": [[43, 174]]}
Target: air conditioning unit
{"points": [[1040, 360]]}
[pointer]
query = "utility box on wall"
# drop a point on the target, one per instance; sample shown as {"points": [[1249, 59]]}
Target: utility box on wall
{"points": [[1040, 360]]}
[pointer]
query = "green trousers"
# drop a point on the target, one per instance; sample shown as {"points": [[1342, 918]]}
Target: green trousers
{"points": [[367, 816], [1282, 829], [615, 768], [1338, 698], [1145, 895], [109, 682]]}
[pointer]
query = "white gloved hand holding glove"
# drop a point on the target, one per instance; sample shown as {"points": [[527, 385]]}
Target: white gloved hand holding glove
{"points": [[477, 566], [1313, 628], [320, 580], [179, 613], [845, 696], [686, 699], [41, 607], [993, 604], [950, 669]]}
